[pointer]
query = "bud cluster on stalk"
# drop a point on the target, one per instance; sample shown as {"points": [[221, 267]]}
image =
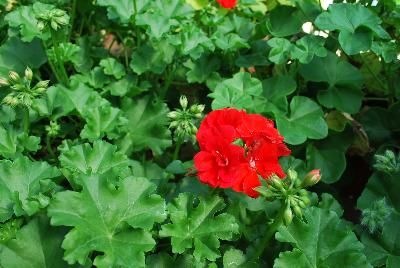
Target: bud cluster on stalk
{"points": [[375, 216], [291, 191], [183, 120], [387, 162], [22, 94], [53, 129], [55, 18]]}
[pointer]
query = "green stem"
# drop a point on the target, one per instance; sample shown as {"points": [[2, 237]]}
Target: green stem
{"points": [[270, 231], [60, 63], [49, 148], [72, 19], [177, 149], [137, 30], [167, 83], [25, 120]]}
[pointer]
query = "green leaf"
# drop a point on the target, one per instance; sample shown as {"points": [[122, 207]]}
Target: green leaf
{"points": [[148, 122], [153, 58], [306, 120], [274, 96], [322, 241], [23, 19], [16, 55], [198, 226], [285, 21], [356, 23], [202, 68], [280, 50], [102, 158], [328, 202], [21, 184], [229, 42], [163, 15], [36, 246], [236, 92], [387, 50], [383, 247], [381, 125], [13, 142], [122, 10], [113, 67], [329, 155], [112, 221], [381, 185], [344, 82], [307, 47], [129, 85]]}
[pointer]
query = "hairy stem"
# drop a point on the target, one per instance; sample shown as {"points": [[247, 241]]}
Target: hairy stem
{"points": [[25, 120], [60, 63], [72, 18], [177, 149]]}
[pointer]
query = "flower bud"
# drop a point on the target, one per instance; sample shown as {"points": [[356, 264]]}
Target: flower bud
{"points": [[40, 90], [297, 211], [287, 215], [276, 182], [44, 83], [197, 109], [40, 25], [292, 174], [183, 101], [305, 200], [28, 73], [14, 76], [59, 13], [312, 178], [173, 115], [4, 82], [11, 101]]}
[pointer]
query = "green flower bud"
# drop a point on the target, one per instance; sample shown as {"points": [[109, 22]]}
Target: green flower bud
{"points": [[173, 115], [40, 25], [276, 182], [312, 178], [303, 192], [14, 76], [40, 90], [197, 109], [10, 100], [287, 215], [44, 83], [173, 124], [292, 174], [183, 101], [58, 12], [28, 73], [297, 211], [4, 82], [306, 200]]}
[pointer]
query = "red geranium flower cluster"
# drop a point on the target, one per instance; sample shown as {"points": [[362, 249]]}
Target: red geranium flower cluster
{"points": [[227, 3], [222, 163]]}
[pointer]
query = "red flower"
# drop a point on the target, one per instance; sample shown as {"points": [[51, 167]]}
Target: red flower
{"points": [[227, 3], [223, 164]]}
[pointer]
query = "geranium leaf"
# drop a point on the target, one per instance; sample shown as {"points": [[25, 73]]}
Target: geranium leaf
{"points": [[322, 241], [36, 246], [20, 186], [236, 92], [13, 142], [198, 226], [113, 67], [384, 247], [102, 158], [356, 24], [202, 68], [285, 21], [16, 55], [304, 121], [344, 82], [148, 122], [112, 221]]}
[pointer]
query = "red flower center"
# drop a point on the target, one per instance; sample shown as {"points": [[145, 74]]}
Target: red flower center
{"points": [[222, 160]]}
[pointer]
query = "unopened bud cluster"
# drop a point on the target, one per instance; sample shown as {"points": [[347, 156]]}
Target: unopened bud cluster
{"points": [[375, 217], [183, 120], [53, 129], [291, 192], [387, 162], [55, 18], [22, 94]]}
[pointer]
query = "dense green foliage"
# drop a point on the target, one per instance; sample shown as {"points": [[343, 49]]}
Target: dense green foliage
{"points": [[95, 170]]}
